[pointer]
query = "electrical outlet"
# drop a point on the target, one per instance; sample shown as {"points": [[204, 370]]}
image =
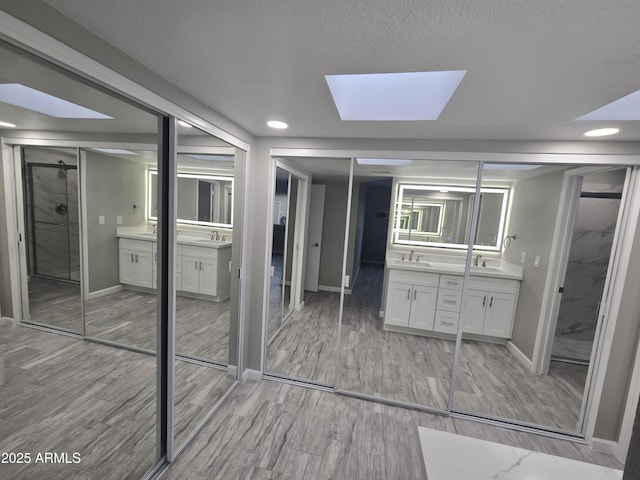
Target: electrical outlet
{"points": [[536, 261], [101, 219], [523, 257], [119, 220]]}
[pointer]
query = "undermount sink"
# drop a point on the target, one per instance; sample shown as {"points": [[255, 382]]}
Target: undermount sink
{"points": [[484, 269], [148, 234]]}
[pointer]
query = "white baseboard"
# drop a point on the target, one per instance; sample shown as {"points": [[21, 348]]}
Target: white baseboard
{"points": [[232, 370], [328, 288], [301, 306], [522, 358], [104, 292], [251, 375], [7, 321], [604, 446]]}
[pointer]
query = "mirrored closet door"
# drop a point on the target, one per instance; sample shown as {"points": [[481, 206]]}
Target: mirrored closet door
{"points": [[505, 324], [310, 205], [410, 226]]}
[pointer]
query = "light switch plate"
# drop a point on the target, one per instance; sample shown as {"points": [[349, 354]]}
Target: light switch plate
{"points": [[101, 219], [536, 261], [523, 257], [119, 220]]}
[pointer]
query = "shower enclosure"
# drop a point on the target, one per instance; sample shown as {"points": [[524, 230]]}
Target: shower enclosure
{"points": [[53, 228]]}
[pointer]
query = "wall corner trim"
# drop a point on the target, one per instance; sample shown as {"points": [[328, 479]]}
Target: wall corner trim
{"points": [[604, 446], [251, 375], [521, 357]]}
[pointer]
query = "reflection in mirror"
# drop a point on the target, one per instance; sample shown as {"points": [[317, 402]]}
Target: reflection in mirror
{"points": [[206, 317], [51, 220], [310, 195], [203, 199], [503, 308], [440, 216], [399, 322], [68, 204]]}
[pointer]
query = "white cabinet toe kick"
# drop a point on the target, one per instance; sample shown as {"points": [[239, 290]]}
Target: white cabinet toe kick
{"points": [[425, 303]]}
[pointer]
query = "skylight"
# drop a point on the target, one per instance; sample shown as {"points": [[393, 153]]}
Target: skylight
{"points": [[31, 99], [211, 157], [393, 96], [625, 108]]}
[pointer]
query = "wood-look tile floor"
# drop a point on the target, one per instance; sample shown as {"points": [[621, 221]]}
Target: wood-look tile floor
{"points": [[128, 317], [271, 430], [416, 369], [62, 394]]}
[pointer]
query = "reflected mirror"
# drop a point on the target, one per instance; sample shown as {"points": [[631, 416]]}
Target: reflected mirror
{"points": [[440, 216], [202, 199]]}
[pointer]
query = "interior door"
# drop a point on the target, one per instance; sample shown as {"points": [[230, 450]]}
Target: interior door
{"points": [[316, 216]]}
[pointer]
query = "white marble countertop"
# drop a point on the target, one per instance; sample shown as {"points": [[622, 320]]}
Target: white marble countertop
{"points": [[182, 239], [449, 456], [494, 268]]}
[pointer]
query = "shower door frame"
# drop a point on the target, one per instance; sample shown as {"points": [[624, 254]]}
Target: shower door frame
{"points": [[34, 264]]}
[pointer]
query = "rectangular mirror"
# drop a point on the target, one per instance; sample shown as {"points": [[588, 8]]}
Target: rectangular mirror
{"points": [[440, 216], [203, 199]]}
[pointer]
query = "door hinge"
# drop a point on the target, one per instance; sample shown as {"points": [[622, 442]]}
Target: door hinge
{"points": [[561, 290]]}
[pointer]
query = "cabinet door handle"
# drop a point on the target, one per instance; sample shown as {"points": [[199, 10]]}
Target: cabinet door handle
{"points": [[200, 265], [136, 258], [415, 293], [155, 257], [408, 294], [196, 264], [484, 300], [491, 302], [132, 258]]}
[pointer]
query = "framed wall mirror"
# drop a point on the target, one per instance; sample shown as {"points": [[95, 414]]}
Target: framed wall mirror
{"points": [[203, 199], [440, 216]]}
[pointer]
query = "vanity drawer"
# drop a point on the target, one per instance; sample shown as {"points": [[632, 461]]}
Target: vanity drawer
{"points": [[446, 322], [449, 300], [424, 279], [136, 245], [452, 282], [490, 284], [199, 252]]}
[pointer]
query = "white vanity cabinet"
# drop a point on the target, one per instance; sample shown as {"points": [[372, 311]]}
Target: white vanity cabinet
{"points": [[430, 303], [490, 306], [136, 262], [411, 299], [206, 271], [178, 266]]}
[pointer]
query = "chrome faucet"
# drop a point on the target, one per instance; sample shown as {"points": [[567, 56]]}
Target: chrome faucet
{"points": [[477, 260], [411, 255], [215, 235]]}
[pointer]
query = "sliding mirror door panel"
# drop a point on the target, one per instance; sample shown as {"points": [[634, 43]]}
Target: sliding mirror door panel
{"points": [[406, 256], [310, 208], [504, 304], [208, 238], [50, 187]]}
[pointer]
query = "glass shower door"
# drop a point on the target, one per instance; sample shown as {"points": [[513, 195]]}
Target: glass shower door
{"points": [[54, 214]]}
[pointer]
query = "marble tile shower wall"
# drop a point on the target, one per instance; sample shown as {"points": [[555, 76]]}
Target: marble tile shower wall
{"points": [[54, 234], [586, 273]]}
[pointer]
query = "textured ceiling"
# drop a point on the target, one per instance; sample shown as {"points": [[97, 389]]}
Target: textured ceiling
{"points": [[533, 66]]}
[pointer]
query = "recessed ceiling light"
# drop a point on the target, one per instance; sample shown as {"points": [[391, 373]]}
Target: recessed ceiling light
{"points": [[116, 151], [393, 96], [625, 108], [182, 123], [277, 124], [31, 99], [383, 161], [7, 124], [444, 191], [601, 132]]}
